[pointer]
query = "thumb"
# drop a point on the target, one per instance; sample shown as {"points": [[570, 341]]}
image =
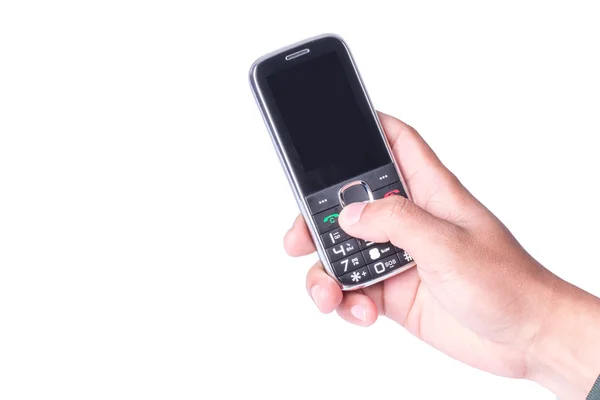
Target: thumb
{"points": [[398, 220]]}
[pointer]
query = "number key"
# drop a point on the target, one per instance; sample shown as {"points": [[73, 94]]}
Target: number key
{"points": [[334, 237], [342, 250], [377, 252], [383, 266], [348, 264], [363, 244]]}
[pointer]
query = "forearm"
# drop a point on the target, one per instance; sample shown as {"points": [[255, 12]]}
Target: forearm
{"points": [[565, 357]]}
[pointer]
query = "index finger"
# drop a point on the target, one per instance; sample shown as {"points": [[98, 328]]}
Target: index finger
{"points": [[297, 241]]}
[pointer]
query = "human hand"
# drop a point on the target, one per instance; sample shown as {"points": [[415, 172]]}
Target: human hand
{"points": [[475, 294]]}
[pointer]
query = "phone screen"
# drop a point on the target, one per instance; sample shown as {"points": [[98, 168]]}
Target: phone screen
{"points": [[323, 111]]}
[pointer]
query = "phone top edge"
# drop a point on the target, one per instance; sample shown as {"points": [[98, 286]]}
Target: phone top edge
{"points": [[285, 49]]}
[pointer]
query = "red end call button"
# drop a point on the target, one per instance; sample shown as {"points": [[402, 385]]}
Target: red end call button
{"points": [[395, 189]]}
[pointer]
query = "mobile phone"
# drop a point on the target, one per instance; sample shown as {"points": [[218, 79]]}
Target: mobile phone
{"points": [[333, 150]]}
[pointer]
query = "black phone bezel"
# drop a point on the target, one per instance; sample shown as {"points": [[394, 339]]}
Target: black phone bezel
{"points": [[314, 181]]}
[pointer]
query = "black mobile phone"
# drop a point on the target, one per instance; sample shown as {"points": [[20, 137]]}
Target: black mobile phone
{"points": [[333, 150]]}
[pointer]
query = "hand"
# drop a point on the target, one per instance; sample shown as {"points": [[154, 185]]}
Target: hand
{"points": [[475, 294]]}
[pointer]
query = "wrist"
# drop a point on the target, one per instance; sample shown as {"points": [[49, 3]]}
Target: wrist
{"points": [[565, 355]]}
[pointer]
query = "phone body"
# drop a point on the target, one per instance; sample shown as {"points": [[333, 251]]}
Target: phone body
{"points": [[333, 150]]}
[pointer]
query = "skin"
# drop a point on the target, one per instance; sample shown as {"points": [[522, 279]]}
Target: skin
{"points": [[475, 294]]}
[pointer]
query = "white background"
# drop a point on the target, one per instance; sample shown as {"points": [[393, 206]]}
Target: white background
{"points": [[142, 206]]}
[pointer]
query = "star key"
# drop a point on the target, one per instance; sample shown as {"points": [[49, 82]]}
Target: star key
{"points": [[356, 277]]}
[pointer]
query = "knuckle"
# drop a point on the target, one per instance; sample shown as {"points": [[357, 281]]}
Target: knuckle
{"points": [[456, 186], [411, 129]]}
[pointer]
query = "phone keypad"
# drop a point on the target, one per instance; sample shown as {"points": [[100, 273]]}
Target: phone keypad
{"points": [[356, 261]]}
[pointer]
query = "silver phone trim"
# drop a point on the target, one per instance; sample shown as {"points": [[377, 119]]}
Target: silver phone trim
{"points": [[283, 158]]}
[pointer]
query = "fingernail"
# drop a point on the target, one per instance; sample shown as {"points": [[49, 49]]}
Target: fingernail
{"points": [[359, 312], [314, 293], [351, 213]]}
